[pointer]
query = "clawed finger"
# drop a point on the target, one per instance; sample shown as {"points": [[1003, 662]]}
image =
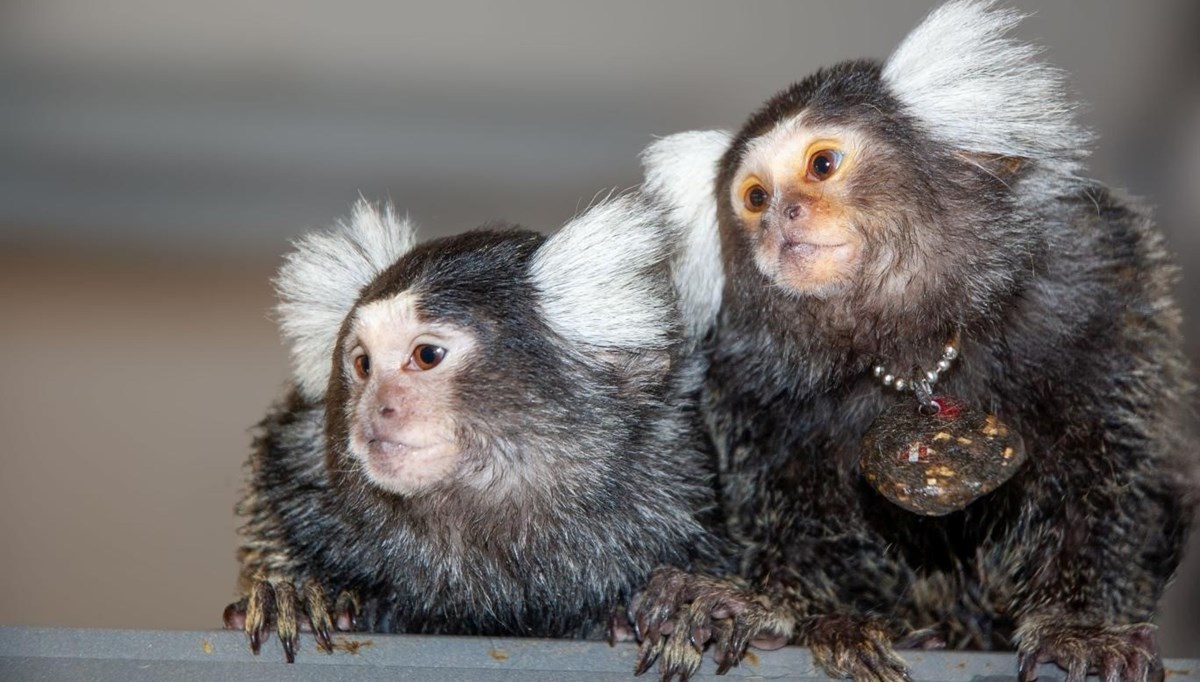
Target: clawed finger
{"points": [[259, 607], [648, 653], [1125, 653], [318, 615], [680, 658], [726, 650], [280, 607], [883, 664], [285, 619]]}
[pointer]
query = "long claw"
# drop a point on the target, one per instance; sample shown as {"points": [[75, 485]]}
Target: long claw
{"points": [[289, 649], [1117, 653], [648, 653], [318, 615], [883, 668], [258, 609], [852, 646], [285, 619], [721, 633]]}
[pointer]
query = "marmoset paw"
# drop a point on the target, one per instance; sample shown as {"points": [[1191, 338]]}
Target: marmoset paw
{"points": [[277, 605], [1117, 653], [925, 638], [679, 614], [858, 648]]}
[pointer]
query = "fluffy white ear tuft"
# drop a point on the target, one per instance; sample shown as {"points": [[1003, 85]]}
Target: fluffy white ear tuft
{"points": [[601, 278], [320, 281], [681, 174], [976, 88]]}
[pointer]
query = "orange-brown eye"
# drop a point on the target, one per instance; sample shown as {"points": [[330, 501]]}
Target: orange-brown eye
{"points": [[362, 366], [756, 199], [823, 164], [426, 356]]}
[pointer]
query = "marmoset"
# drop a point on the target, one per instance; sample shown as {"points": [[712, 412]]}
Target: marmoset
{"points": [[488, 434], [920, 233]]}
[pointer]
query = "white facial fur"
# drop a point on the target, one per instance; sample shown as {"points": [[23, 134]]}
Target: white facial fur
{"points": [[820, 252], [401, 417]]}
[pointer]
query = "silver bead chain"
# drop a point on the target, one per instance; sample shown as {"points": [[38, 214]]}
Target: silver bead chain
{"points": [[888, 378]]}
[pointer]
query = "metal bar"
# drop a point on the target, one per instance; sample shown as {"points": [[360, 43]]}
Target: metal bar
{"points": [[62, 653]]}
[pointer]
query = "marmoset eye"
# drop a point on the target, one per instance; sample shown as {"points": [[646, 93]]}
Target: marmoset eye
{"points": [[427, 356]]}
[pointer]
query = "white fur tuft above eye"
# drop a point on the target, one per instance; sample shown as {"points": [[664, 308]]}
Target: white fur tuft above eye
{"points": [[320, 281], [599, 277], [974, 87], [681, 174]]}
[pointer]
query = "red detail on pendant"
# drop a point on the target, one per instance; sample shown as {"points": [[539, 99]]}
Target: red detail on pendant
{"points": [[947, 408]]}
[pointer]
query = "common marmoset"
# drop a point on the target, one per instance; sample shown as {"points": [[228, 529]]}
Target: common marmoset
{"points": [[488, 434], [926, 223]]}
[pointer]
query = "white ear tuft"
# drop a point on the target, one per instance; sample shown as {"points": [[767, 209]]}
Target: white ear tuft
{"points": [[681, 173], [981, 91], [320, 281], [597, 278]]}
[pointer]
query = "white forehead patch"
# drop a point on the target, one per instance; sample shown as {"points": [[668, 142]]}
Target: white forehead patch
{"points": [[390, 329], [774, 156], [378, 322], [778, 155], [762, 151]]}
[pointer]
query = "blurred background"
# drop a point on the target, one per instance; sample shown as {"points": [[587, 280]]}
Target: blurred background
{"points": [[157, 157]]}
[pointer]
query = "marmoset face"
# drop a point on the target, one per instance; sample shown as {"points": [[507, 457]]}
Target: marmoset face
{"points": [[401, 370], [792, 196]]}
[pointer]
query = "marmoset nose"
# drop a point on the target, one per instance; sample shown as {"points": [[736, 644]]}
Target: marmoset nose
{"points": [[391, 403], [794, 211]]}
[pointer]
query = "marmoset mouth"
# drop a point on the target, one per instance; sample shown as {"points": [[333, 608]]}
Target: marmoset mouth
{"points": [[805, 249], [387, 447]]}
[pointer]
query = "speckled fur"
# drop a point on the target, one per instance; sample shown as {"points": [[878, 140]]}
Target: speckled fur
{"points": [[607, 438], [1060, 290]]}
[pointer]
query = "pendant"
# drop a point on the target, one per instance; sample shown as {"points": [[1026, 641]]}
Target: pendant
{"points": [[935, 455]]}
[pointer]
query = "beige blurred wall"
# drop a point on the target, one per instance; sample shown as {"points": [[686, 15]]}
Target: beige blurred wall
{"points": [[128, 390], [156, 157]]}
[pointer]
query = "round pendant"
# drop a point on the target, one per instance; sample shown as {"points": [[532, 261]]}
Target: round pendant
{"points": [[937, 464]]}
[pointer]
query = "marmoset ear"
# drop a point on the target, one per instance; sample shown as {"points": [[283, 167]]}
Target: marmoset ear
{"points": [[320, 281], [681, 174], [602, 279], [972, 86]]}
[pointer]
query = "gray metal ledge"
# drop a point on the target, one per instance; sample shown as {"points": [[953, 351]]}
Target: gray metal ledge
{"points": [[72, 654]]}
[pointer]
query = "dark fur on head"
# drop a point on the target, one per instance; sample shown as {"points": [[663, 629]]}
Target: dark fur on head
{"points": [[977, 225], [580, 465]]}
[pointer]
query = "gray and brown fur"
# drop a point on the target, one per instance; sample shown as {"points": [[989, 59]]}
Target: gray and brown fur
{"points": [[1060, 290], [580, 402]]}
